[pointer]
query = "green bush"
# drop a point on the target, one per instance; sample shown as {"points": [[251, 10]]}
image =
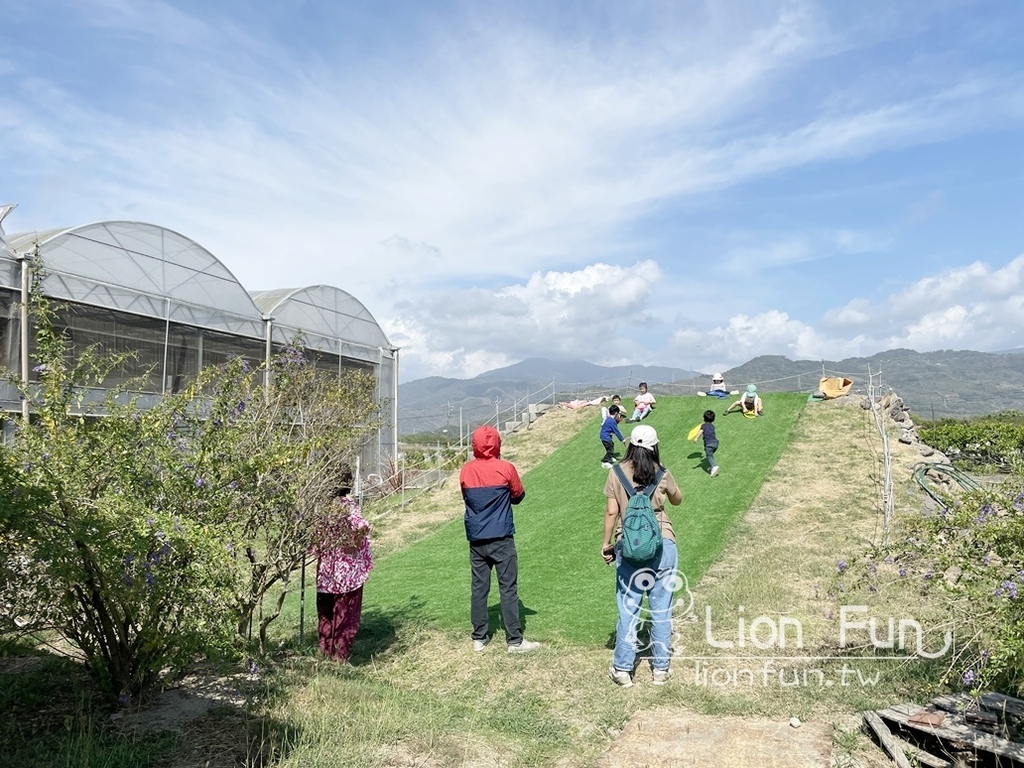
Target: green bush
{"points": [[990, 441], [149, 537]]}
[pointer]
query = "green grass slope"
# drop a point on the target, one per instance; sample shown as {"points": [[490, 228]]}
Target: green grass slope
{"points": [[566, 590]]}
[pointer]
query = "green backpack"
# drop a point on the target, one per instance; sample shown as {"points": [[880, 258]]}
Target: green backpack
{"points": [[641, 531]]}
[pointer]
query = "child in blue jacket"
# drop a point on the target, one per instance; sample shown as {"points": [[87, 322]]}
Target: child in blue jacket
{"points": [[609, 428]]}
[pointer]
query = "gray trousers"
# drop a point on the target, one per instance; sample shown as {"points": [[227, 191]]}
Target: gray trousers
{"points": [[499, 554]]}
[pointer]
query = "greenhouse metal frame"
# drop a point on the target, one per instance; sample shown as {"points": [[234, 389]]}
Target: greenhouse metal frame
{"points": [[143, 288]]}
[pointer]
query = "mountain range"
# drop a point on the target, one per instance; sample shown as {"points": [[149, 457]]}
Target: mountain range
{"points": [[941, 384]]}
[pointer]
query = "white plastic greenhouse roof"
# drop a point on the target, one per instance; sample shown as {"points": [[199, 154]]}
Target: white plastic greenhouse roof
{"points": [[329, 318], [143, 269]]}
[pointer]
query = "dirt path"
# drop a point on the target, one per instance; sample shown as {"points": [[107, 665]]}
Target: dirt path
{"points": [[823, 499]]}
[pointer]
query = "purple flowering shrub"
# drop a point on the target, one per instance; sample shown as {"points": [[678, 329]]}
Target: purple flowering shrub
{"points": [[149, 537], [967, 559], [280, 448]]}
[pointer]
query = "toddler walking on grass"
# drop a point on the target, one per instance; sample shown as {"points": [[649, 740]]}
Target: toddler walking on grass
{"points": [[609, 429], [707, 429]]}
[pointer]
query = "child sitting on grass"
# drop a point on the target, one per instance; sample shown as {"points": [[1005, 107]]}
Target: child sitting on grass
{"points": [[644, 403], [750, 404]]}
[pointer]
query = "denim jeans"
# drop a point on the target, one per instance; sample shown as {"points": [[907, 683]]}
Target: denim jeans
{"points": [[709, 452], [609, 451], [631, 584], [499, 554]]}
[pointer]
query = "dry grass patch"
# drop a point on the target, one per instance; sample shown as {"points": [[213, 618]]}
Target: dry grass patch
{"points": [[821, 504]]}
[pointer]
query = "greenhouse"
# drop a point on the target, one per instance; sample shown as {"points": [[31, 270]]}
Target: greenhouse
{"points": [[129, 286]]}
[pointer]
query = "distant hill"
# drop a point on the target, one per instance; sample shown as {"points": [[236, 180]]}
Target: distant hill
{"points": [[935, 385], [943, 384], [436, 403]]}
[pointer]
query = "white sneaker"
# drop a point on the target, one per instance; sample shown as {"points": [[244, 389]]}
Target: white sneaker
{"points": [[525, 646], [702, 393], [734, 392], [479, 645], [661, 676], [714, 470], [606, 464], [620, 677]]}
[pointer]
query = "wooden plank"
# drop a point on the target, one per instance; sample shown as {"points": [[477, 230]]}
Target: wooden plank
{"points": [[954, 731], [888, 741], [1005, 704], [955, 704], [969, 709], [922, 757]]}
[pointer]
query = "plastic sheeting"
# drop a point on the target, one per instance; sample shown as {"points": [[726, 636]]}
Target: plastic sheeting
{"points": [[832, 387]]}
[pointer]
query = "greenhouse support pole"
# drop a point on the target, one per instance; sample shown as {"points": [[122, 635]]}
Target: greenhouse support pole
{"points": [[394, 401], [267, 350], [24, 333], [167, 336], [302, 601]]}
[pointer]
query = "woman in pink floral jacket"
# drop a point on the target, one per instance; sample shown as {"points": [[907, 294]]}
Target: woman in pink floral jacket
{"points": [[344, 564]]}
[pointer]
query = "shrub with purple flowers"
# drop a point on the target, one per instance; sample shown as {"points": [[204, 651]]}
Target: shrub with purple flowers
{"points": [[149, 537], [970, 561], [278, 450]]}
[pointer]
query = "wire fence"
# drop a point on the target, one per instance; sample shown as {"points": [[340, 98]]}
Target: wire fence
{"points": [[875, 394]]}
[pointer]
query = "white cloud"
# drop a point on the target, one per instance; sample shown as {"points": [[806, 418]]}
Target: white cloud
{"points": [[592, 313], [974, 307], [535, 152]]}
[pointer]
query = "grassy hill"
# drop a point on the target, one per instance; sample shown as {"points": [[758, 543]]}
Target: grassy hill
{"points": [[799, 492], [563, 581]]}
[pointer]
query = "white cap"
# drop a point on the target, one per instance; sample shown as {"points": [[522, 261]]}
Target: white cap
{"points": [[644, 436]]}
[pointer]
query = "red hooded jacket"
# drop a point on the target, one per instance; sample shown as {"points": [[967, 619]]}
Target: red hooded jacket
{"points": [[490, 486]]}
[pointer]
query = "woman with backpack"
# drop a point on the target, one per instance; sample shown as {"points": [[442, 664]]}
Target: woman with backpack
{"points": [[645, 558]]}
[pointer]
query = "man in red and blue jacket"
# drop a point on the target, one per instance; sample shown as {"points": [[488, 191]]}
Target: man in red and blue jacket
{"points": [[490, 486]]}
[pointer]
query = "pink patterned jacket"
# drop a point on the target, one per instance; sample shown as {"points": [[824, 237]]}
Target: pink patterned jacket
{"points": [[341, 569]]}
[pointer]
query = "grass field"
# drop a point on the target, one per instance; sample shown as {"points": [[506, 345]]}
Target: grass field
{"points": [[565, 587], [799, 489]]}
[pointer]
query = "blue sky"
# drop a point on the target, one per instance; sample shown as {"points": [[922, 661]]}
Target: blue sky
{"points": [[669, 183]]}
